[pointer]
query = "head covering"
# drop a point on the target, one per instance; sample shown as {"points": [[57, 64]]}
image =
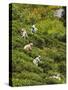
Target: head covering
{"points": [[39, 56], [31, 44], [23, 30], [33, 26]]}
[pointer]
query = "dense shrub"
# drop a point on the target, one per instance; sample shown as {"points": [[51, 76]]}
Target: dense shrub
{"points": [[53, 81], [62, 68]]}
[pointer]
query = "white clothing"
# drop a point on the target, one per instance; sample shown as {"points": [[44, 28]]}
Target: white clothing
{"points": [[36, 61]]}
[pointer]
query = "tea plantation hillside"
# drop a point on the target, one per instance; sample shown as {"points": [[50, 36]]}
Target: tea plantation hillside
{"points": [[49, 42]]}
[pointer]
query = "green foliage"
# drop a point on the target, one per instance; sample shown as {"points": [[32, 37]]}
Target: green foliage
{"points": [[62, 68], [53, 81], [49, 42], [24, 82]]}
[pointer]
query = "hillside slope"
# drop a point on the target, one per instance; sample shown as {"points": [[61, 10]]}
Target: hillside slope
{"points": [[49, 42]]}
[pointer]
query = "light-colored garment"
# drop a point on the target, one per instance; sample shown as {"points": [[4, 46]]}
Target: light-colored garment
{"points": [[28, 47], [56, 77], [33, 29], [24, 34], [36, 61]]}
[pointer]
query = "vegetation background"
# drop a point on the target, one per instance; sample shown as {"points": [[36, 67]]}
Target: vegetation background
{"points": [[49, 42]]}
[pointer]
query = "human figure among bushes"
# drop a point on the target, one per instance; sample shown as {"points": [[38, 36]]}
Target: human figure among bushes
{"points": [[24, 33], [33, 29], [37, 60], [57, 76], [28, 47]]}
